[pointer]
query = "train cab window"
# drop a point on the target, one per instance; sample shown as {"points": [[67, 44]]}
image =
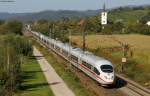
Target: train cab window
{"points": [[107, 68], [74, 58], [96, 71], [86, 64]]}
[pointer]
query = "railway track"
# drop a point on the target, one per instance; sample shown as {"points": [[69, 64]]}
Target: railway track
{"points": [[136, 89], [130, 88]]}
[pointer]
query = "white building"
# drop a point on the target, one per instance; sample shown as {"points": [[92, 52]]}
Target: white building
{"points": [[148, 23], [104, 16]]}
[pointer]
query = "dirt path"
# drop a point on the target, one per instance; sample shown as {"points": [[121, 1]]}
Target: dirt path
{"points": [[57, 85]]}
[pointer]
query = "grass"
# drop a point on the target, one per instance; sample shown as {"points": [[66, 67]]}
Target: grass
{"points": [[69, 77], [34, 82], [139, 46]]}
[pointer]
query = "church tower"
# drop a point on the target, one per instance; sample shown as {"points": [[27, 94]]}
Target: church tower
{"points": [[104, 16]]}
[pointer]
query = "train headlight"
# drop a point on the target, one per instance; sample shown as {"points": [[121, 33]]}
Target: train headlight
{"points": [[112, 77]]}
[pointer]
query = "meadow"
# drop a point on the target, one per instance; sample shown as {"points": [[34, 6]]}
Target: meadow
{"points": [[109, 46], [33, 80]]}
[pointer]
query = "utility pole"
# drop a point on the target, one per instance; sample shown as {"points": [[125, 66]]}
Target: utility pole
{"points": [[8, 58], [53, 33], [84, 39], [65, 21], [8, 69], [50, 30], [124, 59], [82, 23], [70, 38], [62, 30]]}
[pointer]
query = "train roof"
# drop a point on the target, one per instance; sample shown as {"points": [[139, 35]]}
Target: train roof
{"points": [[89, 57], [92, 59], [85, 56]]}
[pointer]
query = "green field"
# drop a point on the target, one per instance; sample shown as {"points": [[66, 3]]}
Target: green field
{"points": [[34, 82], [108, 46]]}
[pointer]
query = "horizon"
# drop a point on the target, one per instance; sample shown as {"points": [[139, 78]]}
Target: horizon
{"points": [[20, 6], [76, 10]]}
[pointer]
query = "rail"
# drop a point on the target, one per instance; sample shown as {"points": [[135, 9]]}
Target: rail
{"points": [[142, 91]]}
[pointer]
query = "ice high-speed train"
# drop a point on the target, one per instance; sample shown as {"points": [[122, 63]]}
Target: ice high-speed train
{"points": [[97, 68]]}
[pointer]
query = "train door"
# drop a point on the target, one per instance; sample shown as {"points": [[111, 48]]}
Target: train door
{"points": [[79, 62], [93, 75]]}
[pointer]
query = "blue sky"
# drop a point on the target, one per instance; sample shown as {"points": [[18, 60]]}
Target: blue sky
{"points": [[21, 6]]}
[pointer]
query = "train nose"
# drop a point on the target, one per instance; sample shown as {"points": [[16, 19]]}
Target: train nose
{"points": [[109, 78]]}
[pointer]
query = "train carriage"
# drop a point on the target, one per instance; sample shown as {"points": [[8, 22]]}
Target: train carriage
{"points": [[96, 67]]}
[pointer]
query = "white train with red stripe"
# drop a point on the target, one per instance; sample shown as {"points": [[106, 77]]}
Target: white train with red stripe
{"points": [[96, 67]]}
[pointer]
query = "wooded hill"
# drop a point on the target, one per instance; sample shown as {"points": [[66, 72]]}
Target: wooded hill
{"points": [[127, 13], [48, 15]]}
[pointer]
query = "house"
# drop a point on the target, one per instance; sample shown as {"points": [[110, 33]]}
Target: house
{"points": [[148, 23]]}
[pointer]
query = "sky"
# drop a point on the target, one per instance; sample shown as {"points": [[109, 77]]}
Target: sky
{"points": [[22, 6]]}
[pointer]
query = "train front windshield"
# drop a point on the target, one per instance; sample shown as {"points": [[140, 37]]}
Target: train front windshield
{"points": [[107, 68]]}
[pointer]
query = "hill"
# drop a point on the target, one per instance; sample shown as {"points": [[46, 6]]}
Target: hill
{"points": [[48, 15], [126, 14], [129, 14]]}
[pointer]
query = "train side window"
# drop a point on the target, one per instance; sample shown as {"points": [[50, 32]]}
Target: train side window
{"points": [[86, 64], [96, 71], [74, 58], [65, 53], [47, 42], [57, 48], [52, 45]]}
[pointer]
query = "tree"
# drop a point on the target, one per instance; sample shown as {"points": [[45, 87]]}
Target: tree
{"points": [[145, 19], [117, 27], [2, 22], [93, 24], [13, 27], [41, 26]]}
